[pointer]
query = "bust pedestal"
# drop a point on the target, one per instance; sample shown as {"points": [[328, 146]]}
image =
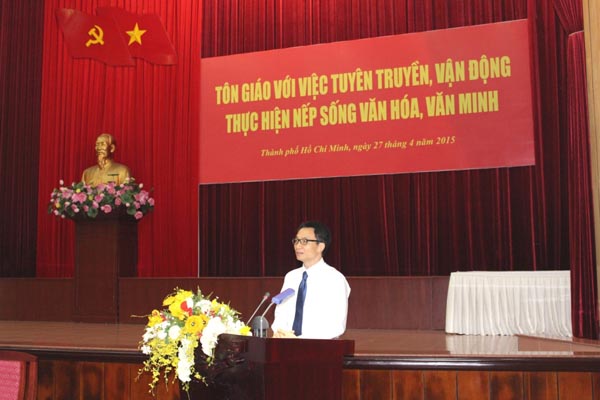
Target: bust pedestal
{"points": [[105, 249]]}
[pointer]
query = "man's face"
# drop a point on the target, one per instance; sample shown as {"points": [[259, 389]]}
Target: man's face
{"points": [[311, 252], [103, 147]]}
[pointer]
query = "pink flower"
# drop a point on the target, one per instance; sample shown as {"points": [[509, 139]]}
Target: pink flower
{"points": [[79, 197], [111, 190], [61, 182], [118, 201], [151, 201], [137, 205], [94, 205], [142, 197], [99, 197], [138, 215], [100, 187], [86, 208], [56, 213], [106, 208], [75, 208]]}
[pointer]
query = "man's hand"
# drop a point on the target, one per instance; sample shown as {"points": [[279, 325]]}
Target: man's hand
{"points": [[282, 333]]}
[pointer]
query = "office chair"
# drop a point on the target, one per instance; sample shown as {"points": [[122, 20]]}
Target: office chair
{"points": [[18, 375]]}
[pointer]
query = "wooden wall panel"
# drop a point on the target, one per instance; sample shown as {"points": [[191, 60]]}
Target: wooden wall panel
{"points": [[540, 386], [473, 385], [596, 386], [506, 385], [351, 384], [575, 385], [48, 299], [117, 381], [52, 299], [408, 385], [439, 289], [439, 385], [375, 385], [82, 380], [78, 380], [45, 390], [426, 296], [66, 380]]}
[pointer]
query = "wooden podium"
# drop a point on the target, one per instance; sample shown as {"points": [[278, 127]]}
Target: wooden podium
{"points": [[105, 249], [252, 368]]}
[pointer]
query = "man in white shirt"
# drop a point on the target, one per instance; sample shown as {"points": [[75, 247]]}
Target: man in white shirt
{"points": [[322, 314]]}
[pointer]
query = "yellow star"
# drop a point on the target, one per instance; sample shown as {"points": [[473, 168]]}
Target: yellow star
{"points": [[136, 35]]}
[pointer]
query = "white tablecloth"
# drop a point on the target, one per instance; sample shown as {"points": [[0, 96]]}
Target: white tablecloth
{"points": [[508, 303]]}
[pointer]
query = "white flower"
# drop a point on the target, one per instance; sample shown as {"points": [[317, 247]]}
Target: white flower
{"points": [[184, 366], [146, 349], [204, 306], [174, 332], [148, 335], [211, 332], [234, 327]]}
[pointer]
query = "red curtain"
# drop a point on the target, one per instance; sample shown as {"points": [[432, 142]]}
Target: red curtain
{"points": [[414, 224], [152, 110], [20, 67], [581, 230]]}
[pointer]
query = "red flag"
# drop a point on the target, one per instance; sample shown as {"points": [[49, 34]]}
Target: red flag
{"points": [[89, 36], [145, 35]]}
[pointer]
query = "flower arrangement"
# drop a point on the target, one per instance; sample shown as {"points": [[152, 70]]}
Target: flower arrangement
{"points": [[81, 199], [172, 335]]}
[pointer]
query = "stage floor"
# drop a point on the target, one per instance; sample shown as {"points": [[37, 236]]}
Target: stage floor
{"points": [[124, 339]]}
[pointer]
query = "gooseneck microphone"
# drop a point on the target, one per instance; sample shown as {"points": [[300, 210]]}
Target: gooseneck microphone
{"points": [[260, 325], [264, 298], [279, 298]]}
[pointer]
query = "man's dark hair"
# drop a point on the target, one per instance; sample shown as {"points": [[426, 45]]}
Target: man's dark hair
{"points": [[322, 232]]}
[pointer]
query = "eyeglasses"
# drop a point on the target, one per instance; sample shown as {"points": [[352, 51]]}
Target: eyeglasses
{"points": [[303, 241]]}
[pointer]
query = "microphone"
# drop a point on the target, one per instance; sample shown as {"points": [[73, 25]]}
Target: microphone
{"points": [[280, 298], [260, 325], [264, 298]]}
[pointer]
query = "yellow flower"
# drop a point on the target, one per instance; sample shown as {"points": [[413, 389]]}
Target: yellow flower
{"points": [[155, 318], [178, 304], [195, 324], [219, 308], [245, 331], [178, 296]]}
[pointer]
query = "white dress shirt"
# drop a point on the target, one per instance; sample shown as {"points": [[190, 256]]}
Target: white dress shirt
{"points": [[326, 304]]}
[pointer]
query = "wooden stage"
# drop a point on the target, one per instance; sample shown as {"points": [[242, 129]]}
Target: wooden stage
{"points": [[101, 361]]}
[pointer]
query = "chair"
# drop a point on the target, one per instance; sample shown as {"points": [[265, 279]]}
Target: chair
{"points": [[18, 375]]}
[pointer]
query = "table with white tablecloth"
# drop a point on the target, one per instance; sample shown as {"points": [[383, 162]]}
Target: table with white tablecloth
{"points": [[509, 303]]}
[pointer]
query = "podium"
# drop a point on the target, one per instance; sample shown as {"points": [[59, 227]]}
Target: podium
{"points": [[105, 249], [252, 368]]}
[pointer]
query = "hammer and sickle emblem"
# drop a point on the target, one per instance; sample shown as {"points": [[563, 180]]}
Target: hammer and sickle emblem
{"points": [[97, 33]]}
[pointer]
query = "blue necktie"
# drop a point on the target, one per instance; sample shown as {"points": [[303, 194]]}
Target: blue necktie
{"points": [[297, 327]]}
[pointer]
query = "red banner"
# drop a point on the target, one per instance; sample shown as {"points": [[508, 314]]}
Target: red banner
{"points": [[93, 36], [439, 100], [145, 35], [114, 36]]}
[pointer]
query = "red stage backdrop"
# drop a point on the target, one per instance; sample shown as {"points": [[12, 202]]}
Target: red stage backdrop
{"points": [[439, 100]]}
